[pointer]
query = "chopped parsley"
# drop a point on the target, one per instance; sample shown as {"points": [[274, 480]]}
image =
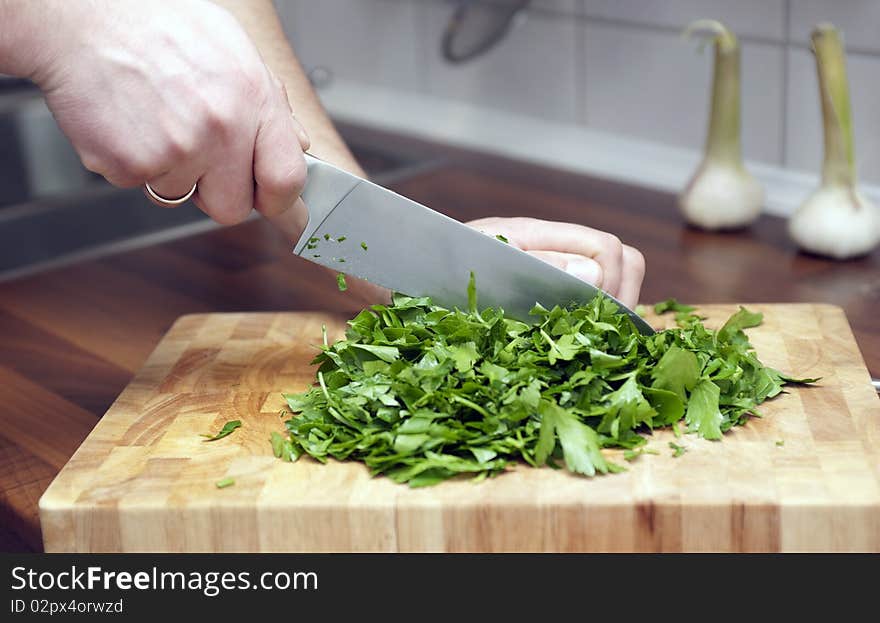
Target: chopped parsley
{"points": [[421, 393], [225, 431], [677, 450]]}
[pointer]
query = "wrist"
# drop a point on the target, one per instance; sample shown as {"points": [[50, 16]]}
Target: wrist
{"points": [[29, 32]]}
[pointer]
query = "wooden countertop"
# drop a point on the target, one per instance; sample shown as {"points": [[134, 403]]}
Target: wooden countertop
{"points": [[71, 339]]}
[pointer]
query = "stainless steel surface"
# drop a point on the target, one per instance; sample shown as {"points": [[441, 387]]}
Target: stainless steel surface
{"points": [[415, 250], [876, 384]]}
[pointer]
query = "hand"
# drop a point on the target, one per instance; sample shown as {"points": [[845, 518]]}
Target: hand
{"points": [[173, 93], [594, 256]]}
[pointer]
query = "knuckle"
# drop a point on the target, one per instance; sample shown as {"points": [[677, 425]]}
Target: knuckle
{"points": [[219, 118], [524, 221], [612, 245], [93, 163], [129, 165], [252, 81], [116, 165], [284, 179], [122, 180], [179, 147], [140, 168], [600, 276], [635, 260]]}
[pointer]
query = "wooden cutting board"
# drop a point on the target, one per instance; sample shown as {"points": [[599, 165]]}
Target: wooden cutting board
{"points": [[805, 477]]}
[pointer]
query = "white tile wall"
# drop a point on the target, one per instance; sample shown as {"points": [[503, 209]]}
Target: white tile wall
{"points": [[372, 41], [654, 85], [614, 65], [569, 7], [858, 19], [522, 74], [804, 118], [760, 18], [565, 7]]}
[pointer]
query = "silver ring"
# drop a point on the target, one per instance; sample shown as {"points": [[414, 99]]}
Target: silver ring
{"points": [[166, 201]]}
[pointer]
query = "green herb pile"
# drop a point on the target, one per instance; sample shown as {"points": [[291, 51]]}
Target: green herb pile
{"points": [[420, 393]]}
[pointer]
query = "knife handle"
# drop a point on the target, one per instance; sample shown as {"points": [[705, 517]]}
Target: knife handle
{"points": [[326, 187]]}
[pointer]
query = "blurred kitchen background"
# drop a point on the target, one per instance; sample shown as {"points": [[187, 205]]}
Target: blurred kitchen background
{"points": [[603, 87]]}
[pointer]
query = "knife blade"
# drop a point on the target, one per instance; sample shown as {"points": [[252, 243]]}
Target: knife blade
{"points": [[367, 231]]}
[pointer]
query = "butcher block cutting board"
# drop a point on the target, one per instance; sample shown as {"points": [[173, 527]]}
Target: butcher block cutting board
{"points": [[804, 477]]}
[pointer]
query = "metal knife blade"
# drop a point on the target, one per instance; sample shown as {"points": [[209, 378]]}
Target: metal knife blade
{"points": [[415, 250]]}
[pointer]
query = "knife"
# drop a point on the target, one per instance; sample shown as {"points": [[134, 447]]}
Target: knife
{"points": [[364, 230]]}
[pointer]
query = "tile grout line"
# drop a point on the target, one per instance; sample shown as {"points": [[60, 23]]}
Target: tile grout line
{"points": [[783, 119], [421, 16], [581, 87]]}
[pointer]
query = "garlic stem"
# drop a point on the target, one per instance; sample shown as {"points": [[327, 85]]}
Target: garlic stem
{"points": [[839, 165], [723, 140]]}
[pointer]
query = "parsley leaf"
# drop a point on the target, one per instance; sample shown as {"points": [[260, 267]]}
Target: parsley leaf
{"points": [[703, 415], [672, 305], [632, 455], [340, 282], [580, 445], [678, 371], [226, 430], [225, 482], [743, 319], [677, 450]]}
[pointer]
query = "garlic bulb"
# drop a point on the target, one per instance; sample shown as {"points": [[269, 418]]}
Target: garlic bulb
{"points": [[722, 194], [836, 220]]}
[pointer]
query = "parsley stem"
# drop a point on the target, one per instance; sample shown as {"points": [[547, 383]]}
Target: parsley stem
{"points": [[469, 403]]}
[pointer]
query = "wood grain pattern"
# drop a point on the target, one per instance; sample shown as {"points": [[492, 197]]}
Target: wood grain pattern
{"points": [[73, 336], [144, 479]]}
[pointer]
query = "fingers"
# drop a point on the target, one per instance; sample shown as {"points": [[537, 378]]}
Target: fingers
{"points": [[175, 183], [533, 234], [589, 270], [279, 166], [633, 274], [226, 190], [304, 140], [589, 254], [291, 222], [584, 268]]}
